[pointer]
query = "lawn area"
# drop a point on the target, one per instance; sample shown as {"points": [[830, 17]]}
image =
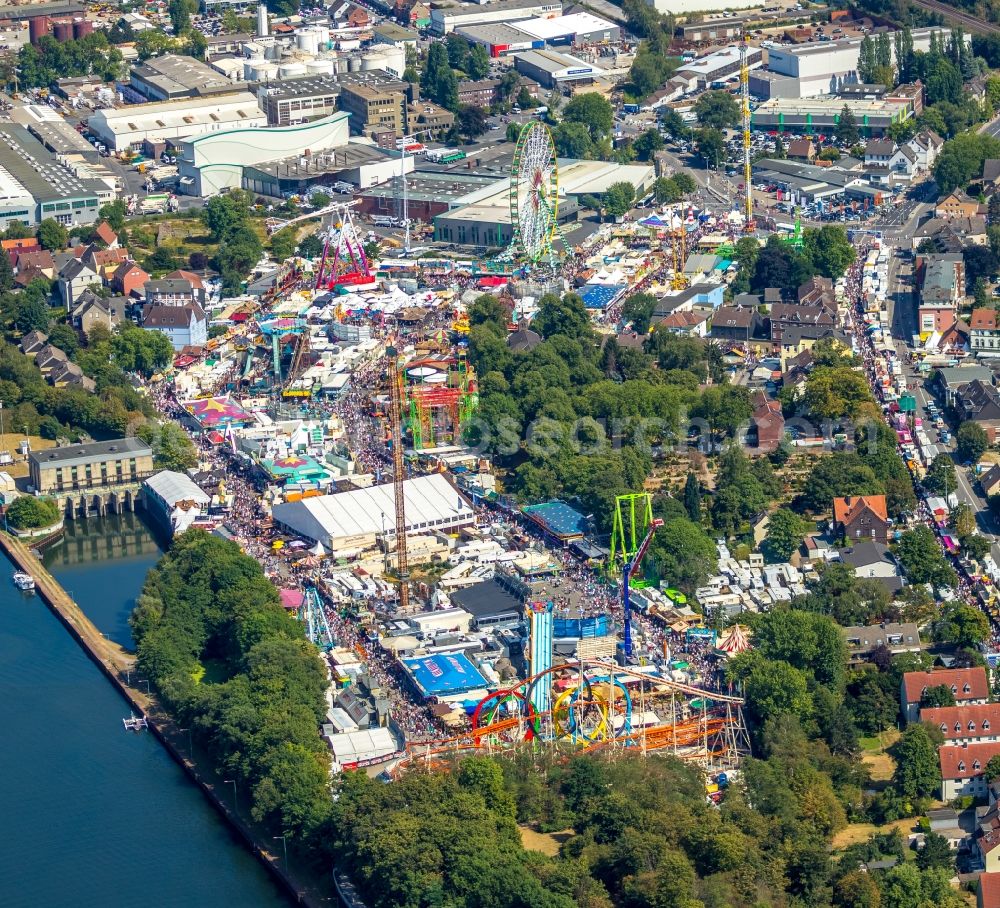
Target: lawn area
{"points": [[854, 833], [181, 236], [879, 764], [547, 843]]}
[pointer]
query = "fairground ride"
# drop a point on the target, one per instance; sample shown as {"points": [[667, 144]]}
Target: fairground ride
{"points": [[343, 252], [317, 626], [633, 564], [440, 409], [599, 705], [534, 197]]}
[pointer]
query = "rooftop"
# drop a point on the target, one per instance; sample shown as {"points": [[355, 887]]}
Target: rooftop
{"points": [[914, 683], [25, 160], [551, 62], [175, 75], [115, 448]]}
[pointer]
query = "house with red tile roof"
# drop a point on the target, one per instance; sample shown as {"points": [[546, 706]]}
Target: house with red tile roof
{"points": [[963, 769], [861, 517], [968, 685], [965, 724], [129, 279], [988, 895], [106, 234]]}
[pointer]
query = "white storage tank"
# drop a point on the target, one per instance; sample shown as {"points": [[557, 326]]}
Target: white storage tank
{"points": [[354, 64], [324, 36], [260, 72], [320, 67], [391, 59], [291, 70], [307, 40], [349, 44]]}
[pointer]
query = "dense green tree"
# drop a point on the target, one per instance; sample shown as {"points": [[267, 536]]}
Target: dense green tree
{"points": [[647, 144], [593, 111], [785, 532], [941, 478], [27, 512], [842, 473], [921, 558], [52, 235], [847, 127], [961, 625], [936, 696], [572, 140], [917, 774], [692, 498], [619, 199], [711, 145], [717, 109], [961, 159], [684, 554], [478, 63], [972, 441]]}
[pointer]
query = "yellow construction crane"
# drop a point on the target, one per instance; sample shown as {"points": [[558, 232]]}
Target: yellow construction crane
{"points": [[396, 434], [748, 221]]}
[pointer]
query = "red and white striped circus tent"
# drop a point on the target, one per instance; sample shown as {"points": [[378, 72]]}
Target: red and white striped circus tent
{"points": [[735, 641]]}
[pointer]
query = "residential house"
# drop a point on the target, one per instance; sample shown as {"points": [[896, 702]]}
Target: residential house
{"points": [[988, 892], [13, 247], [952, 234], [67, 374], [32, 342], [169, 292], [801, 150], [951, 379], [797, 339], [92, 310], [693, 323], [412, 13], [818, 291], [941, 281], [989, 482], [980, 401], [104, 261], [74, 278], [958, 204], [878, 152], [966, 724], [871, 561], [991, 174], [197, 284], [48, 357], [479, 93], [897, 638], [767, 422], [927, 145], [793, 315], [737, 325], [962, 769], [36, 260], [106, 234], [861, 517], [129, 280], [185, 326], [358, 18], [968, 685], [984, 331]]}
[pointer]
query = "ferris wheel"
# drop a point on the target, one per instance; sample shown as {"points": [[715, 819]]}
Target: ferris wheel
{"points": [[534, 198]]}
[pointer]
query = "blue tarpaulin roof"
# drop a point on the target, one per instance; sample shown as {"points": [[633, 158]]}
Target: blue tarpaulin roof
{"points": [[441, 675], [597, 296], [557, 518]]}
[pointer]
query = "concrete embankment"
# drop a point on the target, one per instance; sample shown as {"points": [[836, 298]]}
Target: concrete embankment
{"points": [[118, 666]]}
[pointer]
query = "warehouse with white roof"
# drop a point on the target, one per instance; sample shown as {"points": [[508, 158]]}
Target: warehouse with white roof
{"points": [[576, 28], [128, 127], [359, 519]]}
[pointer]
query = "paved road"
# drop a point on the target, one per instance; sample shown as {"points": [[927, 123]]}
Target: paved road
{"points": [[903, 325]]}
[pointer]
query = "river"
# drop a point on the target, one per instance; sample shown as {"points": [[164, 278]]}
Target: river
{"points": [[93, 816]]}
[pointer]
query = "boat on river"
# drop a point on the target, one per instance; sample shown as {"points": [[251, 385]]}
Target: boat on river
{"points": [[23, 581]]}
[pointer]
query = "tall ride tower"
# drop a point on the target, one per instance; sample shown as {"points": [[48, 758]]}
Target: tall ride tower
{"points": [[748, 222]]}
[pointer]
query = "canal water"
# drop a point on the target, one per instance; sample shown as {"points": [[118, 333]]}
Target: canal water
{"points": [[92, 816]]}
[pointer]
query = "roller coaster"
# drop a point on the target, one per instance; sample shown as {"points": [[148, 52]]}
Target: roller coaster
{"points": [[598, 707]]}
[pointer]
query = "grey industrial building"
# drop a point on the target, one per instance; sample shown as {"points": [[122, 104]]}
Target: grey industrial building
{"points": [[172, 76], [446, 19], [295, 101], [551, 69], [35, 186]]}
